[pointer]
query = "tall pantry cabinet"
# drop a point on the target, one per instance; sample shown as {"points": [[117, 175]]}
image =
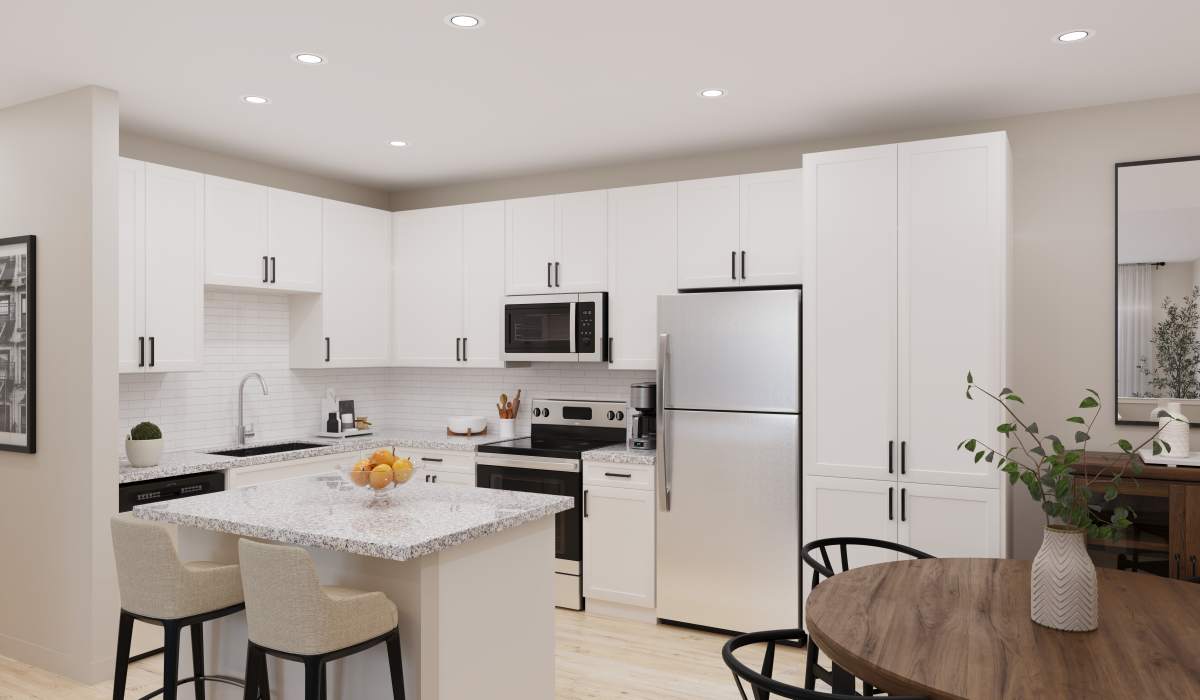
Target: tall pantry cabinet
{"points": [[906, 277]]}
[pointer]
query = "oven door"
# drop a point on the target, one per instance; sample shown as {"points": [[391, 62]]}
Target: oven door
{"points": [[540, 328], [558, 477]]}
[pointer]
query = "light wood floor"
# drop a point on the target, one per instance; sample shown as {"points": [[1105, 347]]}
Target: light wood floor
{"points": [[596, 658]]}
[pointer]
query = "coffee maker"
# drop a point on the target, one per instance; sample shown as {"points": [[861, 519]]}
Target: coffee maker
{"points": [[641, 427]]}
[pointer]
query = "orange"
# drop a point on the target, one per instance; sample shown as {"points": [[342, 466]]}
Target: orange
{"points": [[381, 476], [402, 470], [360, 474], [383, 456]]}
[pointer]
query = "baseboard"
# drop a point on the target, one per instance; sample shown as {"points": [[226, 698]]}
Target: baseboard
{"points": [[60, 662], [604, 608]]}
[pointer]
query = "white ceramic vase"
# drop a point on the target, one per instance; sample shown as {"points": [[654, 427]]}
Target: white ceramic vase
{"points": [[143, 453], [1176, 431], [1063, 593]]}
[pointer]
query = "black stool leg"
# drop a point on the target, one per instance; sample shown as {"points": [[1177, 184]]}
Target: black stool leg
{"points": [[124, 638], [324, 682], [395, 665], [264, 680], [198, 658], [312, 679], [170, 661], [253, 685], [810, 663]]}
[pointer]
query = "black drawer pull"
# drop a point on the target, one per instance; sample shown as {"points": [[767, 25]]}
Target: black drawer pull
{"points": [[623, 476], [431, 459]]}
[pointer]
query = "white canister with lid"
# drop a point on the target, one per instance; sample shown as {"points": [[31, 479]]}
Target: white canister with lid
{"points": [[1175, 430]]}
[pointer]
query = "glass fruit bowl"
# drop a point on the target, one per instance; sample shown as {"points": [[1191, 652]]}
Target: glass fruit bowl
{"points": [[379, 473]]}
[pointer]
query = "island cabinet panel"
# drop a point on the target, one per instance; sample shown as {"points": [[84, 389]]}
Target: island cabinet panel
{"points": [[240, 477], [441, 466], [618, 534]]}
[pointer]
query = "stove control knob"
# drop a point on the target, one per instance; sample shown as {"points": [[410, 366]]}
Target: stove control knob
{"points": [[537, 413], [611, 415], [620, 415]]}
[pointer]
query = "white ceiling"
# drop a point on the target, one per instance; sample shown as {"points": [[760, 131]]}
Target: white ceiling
{"points": [[553, 84]]}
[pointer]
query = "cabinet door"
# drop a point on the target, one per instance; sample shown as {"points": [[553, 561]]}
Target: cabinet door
{"points": [[709, 238], [174, 269], [581, 250], [295, 237], [356, 302], [950, 521], [441, 476], [837, 507], [131, 265], [850, 313], [235, 233], [641, 252], [771, 228], [428, 280], [529, 239], [618, 545], [483, 283], [953, 209]]}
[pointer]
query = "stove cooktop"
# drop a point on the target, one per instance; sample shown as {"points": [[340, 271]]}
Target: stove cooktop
{"points": [[549, 446]]}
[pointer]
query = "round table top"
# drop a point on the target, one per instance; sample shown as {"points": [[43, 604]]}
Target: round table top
{"points": [[960, 628]]}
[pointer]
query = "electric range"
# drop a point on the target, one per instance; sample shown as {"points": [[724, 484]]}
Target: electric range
{"points": [[550, 461]]}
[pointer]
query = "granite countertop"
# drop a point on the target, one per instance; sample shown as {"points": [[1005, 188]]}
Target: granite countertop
{"points": [[620, 454], [187, 462], [328, 512]]}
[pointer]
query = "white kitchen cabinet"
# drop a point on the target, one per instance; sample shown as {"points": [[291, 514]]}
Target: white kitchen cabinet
{"points": [[349, 323], [556, 243], [161, 268], [449, 286], [618, 534], [950, 521], [261, 238], [241, 477], [741, 230], [840, 507], [641, 246], [441, 466]]}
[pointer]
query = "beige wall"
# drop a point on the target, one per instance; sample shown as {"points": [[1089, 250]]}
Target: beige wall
{"points": [[1061, 317], [58, 181], [142, 147]]}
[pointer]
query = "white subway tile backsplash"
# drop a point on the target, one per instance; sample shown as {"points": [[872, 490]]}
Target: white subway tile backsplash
{"points": [[247, 331]]}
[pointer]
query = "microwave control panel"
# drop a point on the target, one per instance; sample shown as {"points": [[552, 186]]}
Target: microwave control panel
{"points": [[585, 327]]}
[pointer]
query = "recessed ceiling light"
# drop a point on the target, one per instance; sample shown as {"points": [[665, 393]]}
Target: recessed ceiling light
{"points": [[464, 21], [311, 59], [1075, 35], [712, 92], [398, 144], [255, 100]]}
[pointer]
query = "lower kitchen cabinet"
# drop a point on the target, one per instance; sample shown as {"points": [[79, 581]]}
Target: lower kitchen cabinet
{"points": [[618, 534], [840, 507], [441, 467], [949, 521], [242, 477]]}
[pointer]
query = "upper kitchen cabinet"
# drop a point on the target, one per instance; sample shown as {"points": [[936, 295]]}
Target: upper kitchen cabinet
{"points": [[349, 324], [641, 245], [261, 238], [448, 286], [556, 243], [160, 268], [740, 230]]}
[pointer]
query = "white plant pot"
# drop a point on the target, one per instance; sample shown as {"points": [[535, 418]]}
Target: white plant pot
{"points": [[1063, 593], [507, 427], [143, 453]]}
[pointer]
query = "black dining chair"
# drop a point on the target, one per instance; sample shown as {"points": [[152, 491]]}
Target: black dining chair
{"points": [[762, 685], [813, 671]]}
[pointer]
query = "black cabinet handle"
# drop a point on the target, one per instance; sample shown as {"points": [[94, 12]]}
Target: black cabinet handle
{"points": [[458, 349], [903, 509], [1193, 560], [431, 459], [272, 269], [1178, 566], [464, 349], [891, 453], [435, 478], [265, 277], [903, 460], [585, 492], [548, 275], [733, 264], [327, 348], [151, 351], [141, 351], [556, 284], [610, 351], [891, 503], [427, 478], [623, 476], [743, 264]]}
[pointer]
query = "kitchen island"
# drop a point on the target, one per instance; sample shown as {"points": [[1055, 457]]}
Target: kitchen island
{"points": [[465, 566]]}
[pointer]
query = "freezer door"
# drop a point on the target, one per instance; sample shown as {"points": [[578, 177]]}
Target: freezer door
{"points": [[732, 351], [728, 549]]}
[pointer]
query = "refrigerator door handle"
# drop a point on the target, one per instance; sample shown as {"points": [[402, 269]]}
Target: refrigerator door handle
{"points": [[662, 457]]}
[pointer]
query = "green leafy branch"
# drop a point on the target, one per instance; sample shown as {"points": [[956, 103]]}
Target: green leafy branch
{"points": [[1046, 466]]}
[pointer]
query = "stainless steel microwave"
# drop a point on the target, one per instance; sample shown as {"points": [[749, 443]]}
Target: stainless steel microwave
{"points": [[556, 328]]}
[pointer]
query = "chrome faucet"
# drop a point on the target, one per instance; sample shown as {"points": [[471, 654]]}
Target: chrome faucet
{"points": [[245, 431]]}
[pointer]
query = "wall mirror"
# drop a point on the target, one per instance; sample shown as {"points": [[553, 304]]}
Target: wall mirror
{"points": [[1158, 288]]}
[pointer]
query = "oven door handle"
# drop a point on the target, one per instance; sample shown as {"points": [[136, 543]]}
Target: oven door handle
{"points": [[544, 463]]}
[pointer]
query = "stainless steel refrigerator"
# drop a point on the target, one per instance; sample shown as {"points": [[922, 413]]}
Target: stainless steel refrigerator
{"points": [[728, 515]]}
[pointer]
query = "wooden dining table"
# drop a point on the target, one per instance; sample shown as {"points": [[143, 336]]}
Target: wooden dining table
{"points": [[957, 629]]}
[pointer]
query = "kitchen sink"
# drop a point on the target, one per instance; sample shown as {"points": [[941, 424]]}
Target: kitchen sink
{"points": [[267, 449]]}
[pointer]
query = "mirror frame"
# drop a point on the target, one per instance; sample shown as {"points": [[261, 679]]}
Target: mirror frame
{"points": [[1117, 275]]}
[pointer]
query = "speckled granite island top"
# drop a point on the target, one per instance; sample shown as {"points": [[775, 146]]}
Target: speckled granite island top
{"points": [[620, 454], [327, 512]]}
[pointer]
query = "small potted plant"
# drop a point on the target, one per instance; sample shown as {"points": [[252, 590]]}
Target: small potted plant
{"points": [[1077, 504], [144, 445]]}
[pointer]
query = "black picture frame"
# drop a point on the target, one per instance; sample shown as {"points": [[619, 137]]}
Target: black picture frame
{"points": [[29, 345], [1117, 278]]}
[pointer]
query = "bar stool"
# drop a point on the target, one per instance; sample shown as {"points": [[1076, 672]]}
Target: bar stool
{"points": [[290, 615], [158, 588]]}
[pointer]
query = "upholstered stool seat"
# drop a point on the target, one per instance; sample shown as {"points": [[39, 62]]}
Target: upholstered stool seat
{"points": [[289, 614], [158, 588]]}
